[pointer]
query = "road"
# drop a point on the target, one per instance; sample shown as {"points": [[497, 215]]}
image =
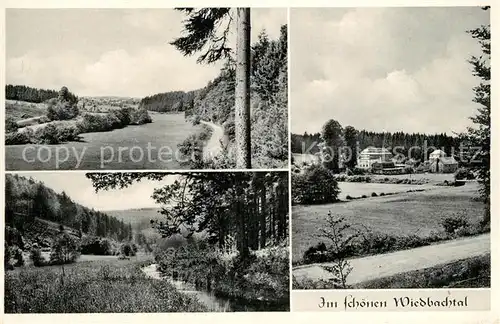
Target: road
{"points": [[214, 144], [384, 265]]}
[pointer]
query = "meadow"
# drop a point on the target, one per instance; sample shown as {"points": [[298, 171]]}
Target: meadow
{"points": [[18, 110], [94, 284], [417, 213], [165, 131]]}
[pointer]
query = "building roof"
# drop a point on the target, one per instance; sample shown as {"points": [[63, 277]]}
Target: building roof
{"points": [[376, 150], [438, 152], [448, 160]]}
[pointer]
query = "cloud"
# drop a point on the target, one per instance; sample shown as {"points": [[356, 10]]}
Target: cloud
{"points": [[118, 72], [123, 52], [378, 69]]}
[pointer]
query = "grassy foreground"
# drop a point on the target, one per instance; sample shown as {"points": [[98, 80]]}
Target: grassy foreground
{"points": [[473, 272], [416, 213], [92, 287]]}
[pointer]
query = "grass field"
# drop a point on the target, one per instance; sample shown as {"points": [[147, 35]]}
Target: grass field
{"points": [[474, 272], [19, 110], [357, 189], [417, 213], [166, 131], [432, 178], [91, 286]]}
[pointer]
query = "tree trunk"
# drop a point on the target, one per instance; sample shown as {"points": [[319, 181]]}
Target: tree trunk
{"points": [[263, 214], [242, 91]]}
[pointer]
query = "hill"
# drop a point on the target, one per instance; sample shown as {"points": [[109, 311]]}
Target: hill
{"points": [[139, 218], [172, 101], [29, 203]]}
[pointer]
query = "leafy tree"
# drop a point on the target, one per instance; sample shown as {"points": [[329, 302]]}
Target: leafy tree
{"points": [[351, 139], [342, 239], [252, 207], [64, 107], [316, 185], [331, 134], [64, 250], [481, 134]]}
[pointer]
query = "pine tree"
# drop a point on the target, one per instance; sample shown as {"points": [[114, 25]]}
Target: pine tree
{"points": [[481, 134]]}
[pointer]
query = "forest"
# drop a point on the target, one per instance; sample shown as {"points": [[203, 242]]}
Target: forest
{"points": [[173, 101], [349, 136], [268, 104], [27, 199], [252, 207], [233, 229], [35, 95]]}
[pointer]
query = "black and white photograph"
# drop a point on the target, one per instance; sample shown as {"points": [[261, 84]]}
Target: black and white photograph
{"points": [[155, 89], [146, 242], [390, 121]]}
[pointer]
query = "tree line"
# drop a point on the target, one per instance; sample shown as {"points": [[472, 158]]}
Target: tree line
{"points": [[27, 199], [334, 135], [30, 94], [172, 101], [245, 209]]}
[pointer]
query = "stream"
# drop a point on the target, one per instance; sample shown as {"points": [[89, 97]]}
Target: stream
{"points": [[214, 303]]}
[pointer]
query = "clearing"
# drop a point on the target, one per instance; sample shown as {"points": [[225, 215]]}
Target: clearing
{"points": [[418, 213]]}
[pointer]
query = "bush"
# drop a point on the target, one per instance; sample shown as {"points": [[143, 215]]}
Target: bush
{"points": [[364, 196], [37, 258], [47, 134], [10, 125], [18, 138], [316, 254], [316, 185], [60, 109], [382, 194], [64, 250], [374, 194], [97, 246], [464, 174], [196, 120], [349, 197], [140, 117]]}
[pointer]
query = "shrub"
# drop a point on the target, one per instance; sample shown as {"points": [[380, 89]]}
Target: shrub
{"points": [[10, 125], [382, 194], [140, 117], [316, 185], [64, 250], [316, 254], [96, 246], [18, 138], [349, 197], [452, 224], [364, 196], [37, 258], [61, 109], [47, 134], [196, 119], [463, 174], [374, 194]]}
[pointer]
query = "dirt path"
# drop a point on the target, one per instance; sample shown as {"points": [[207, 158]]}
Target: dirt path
{"points": [[383, 265], [214, 145]]}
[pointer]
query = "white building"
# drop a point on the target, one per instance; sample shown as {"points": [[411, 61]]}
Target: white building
{"points": [[372, 155], [437, 154]]}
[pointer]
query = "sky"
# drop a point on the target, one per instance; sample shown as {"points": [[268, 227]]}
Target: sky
{"points": [[110, 52], [383, 69], [80, 190]]}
